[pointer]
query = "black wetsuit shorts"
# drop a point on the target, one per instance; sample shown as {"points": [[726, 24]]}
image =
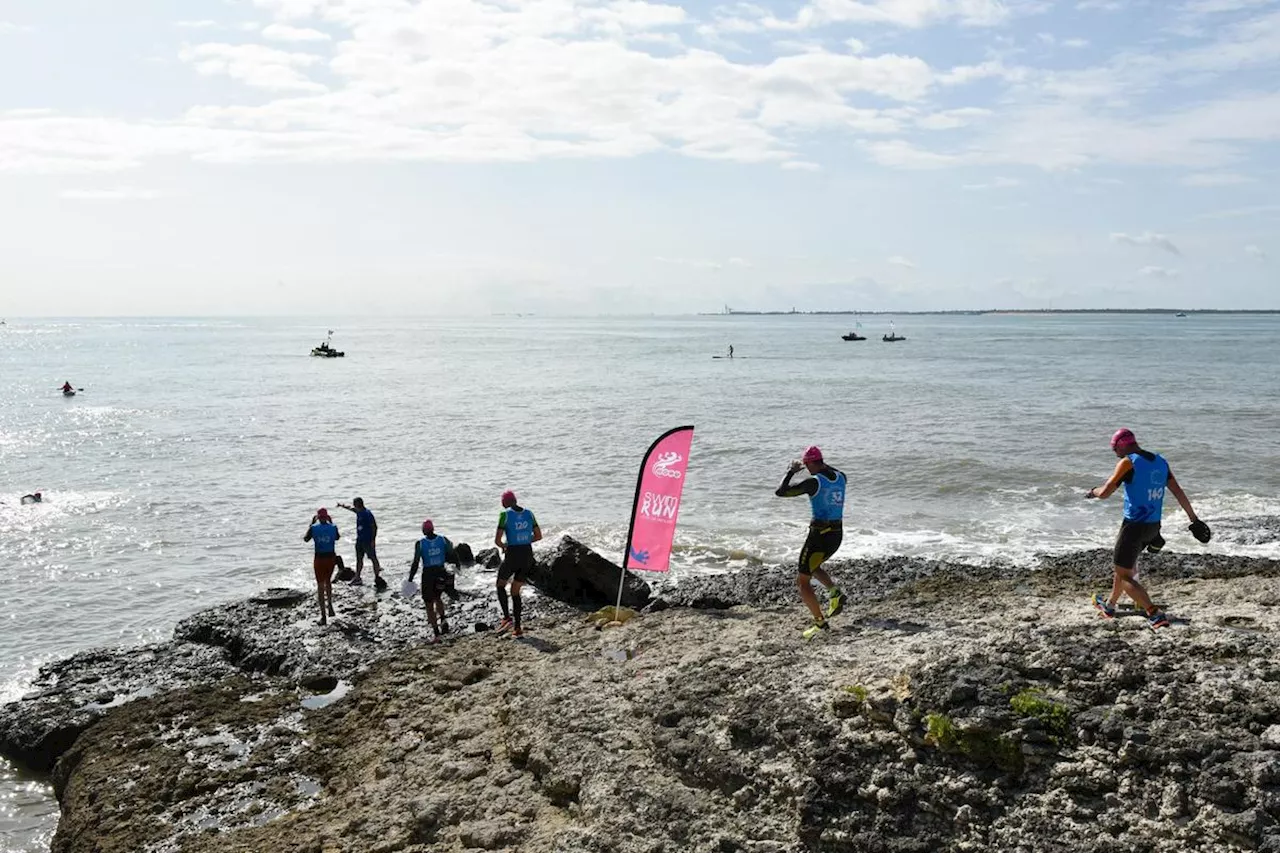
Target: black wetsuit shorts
{"points": [[516, 563], [822, 542], [1132, 538]]}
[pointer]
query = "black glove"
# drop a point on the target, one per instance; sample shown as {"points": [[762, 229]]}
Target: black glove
{"points": [[1155, 546], [1200, 530]]}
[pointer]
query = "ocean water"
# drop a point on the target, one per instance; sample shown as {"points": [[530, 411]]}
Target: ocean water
{"points": [[186, 472]]}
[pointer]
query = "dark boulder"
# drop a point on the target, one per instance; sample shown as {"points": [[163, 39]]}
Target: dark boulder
{"points": [[573, 573], [462, 555], [490, 558]]}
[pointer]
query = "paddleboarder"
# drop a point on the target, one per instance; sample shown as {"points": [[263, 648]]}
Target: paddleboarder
{"points": [[519, 529], [324, 534], [431, 550], [825, 490], [1145, 477]]}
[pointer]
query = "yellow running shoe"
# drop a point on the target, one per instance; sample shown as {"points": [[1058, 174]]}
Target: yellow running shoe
{"points": [[814, 630]]}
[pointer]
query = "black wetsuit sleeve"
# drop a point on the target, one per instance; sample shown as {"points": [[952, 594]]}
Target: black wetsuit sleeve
{"points": [[808, 486]]}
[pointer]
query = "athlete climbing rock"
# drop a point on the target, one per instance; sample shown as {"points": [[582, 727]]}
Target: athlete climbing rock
{"points": [[520, 530], [826, 495]]}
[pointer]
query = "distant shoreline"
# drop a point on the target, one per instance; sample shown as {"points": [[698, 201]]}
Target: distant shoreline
{"points": [[993, 311]]}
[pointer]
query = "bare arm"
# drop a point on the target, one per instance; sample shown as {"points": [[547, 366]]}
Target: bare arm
{"points": [[806, 487], [1183, 500], [417, 555], [537, 533], [306, 537], [1123, 467], [497, 540]]}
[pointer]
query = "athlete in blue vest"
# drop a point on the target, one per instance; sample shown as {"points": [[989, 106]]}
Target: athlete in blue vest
{"points": [[431, 550], [826, 496], [323, 533], [1145, 476], [520, 530]]}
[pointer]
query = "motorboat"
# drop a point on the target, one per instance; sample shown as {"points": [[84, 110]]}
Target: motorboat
{"points": [[326, 350]]}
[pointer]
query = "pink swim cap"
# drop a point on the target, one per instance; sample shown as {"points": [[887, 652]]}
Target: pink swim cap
{"points": [[322, 512], [508, 498], [813, 454], [428, 527], [1122, 438]]}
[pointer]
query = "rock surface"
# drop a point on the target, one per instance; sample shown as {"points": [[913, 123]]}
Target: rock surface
{"points": [[948, 709]]}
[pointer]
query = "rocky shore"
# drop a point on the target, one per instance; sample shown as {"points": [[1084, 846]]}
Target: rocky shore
{"points": [[950, 708]]}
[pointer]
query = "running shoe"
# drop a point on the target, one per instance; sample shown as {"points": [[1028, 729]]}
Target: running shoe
{"points": [[814, 630], [1158, 620], [444, 627], [835, 602], [1100, 602], [517, 633], [435, 640], [356, 581], [504, 625]]}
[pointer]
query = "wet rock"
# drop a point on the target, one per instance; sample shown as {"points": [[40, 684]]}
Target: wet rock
{"points": [[573, 573], [281, 597]]}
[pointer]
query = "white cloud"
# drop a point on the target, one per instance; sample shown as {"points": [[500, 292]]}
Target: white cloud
{"points": [[115, 194], [801, 166], [1255, 252], [197, 25], [1215, 179], [1146, 238], [6, 27], [1158, 272], [900, 261], [998, 183], [1075, 43], [254, 65], [913, 14], [951, 119], [284, 32], [1214, 7], [704, 263]]}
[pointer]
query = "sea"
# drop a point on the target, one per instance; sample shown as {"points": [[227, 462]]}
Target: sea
{"points": [[185, 472]]}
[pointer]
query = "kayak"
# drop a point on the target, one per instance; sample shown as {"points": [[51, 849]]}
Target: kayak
{"points": [[68, 393]]}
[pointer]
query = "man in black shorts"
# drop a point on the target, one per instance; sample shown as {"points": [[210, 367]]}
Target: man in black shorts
{"points": [[520, 530], [826, 495], [1145, 476], [432, 551]]}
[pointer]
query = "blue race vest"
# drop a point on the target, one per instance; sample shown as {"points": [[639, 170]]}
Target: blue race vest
{"points": [[519, 526], [828, 502], [1144, 493], [433, 551], [325, 537]]}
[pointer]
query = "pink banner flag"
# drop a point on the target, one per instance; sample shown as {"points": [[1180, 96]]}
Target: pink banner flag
{"points": [[658, 490]]}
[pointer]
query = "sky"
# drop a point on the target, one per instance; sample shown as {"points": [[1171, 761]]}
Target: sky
{"points": [[623, 156]]}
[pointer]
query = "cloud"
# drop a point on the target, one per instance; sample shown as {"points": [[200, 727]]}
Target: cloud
{"points": [[116, 194], [704, 264], [900, 261], [951, 119], [801, 166], [1215, 179], [284, 32], [1255, 252], [1158, 272], [254, 65], [1075, 43], [911, 14], [6, 27], [197, 25], [1146, 238], [998, 183]]}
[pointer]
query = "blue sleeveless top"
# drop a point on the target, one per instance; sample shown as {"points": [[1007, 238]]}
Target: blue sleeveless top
{"points": [[828, 501], [433, 551], [519, 527], [325, 537], [1144, 492]]}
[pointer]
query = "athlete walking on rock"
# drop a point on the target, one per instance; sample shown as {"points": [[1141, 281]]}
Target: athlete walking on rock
{"points": [[825, 489], [1145, 477], [520, 530]]}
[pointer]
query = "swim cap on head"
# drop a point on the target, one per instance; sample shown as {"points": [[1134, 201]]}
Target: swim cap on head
{"points": [[358, 501], [1122, 438], [813, 454], [428, 527], [322, 512], [508, 498]]}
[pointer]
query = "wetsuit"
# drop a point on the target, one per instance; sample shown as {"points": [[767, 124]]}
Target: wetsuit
{"points": [[518, 525], [1144, 488], [826, 497], [432, 550]]}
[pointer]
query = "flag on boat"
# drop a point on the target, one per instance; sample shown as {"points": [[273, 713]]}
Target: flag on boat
{"points": [[657, 503]]}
